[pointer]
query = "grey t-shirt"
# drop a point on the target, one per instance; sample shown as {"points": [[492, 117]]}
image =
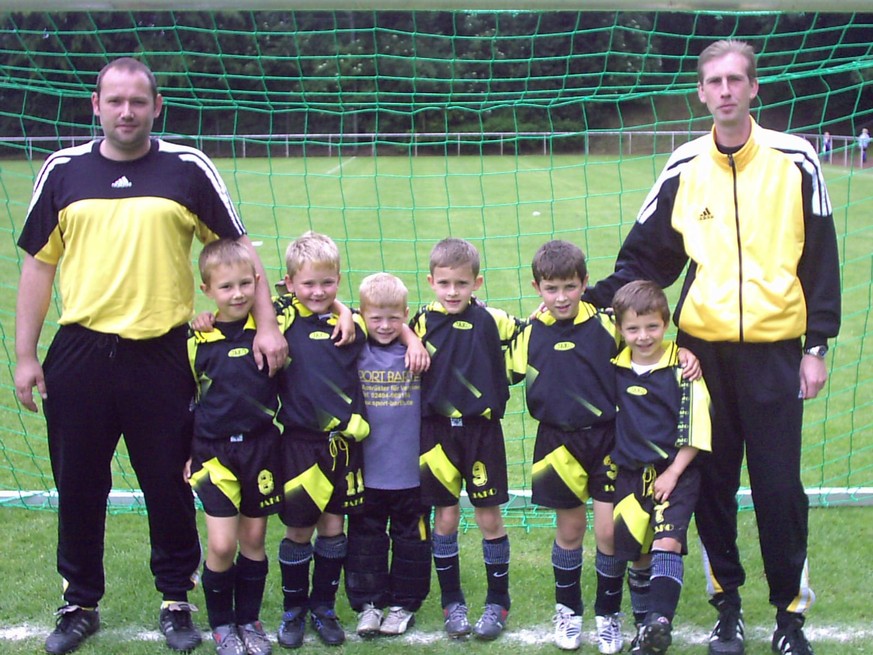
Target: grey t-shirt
{"points": [[392, 396]]}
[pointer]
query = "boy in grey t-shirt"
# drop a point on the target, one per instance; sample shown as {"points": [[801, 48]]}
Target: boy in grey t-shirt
{"points": [[393, 516]]}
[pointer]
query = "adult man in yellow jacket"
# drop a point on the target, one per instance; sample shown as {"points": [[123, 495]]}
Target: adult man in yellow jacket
{"points": [[747, 209]]}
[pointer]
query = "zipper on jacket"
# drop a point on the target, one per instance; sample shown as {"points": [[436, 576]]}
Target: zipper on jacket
{"points": [[733, 166]]}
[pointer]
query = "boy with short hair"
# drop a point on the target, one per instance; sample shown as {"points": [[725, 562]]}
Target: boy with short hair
{"points": [[392, 395], [323, 416], [233, 455], [565, 355], [663, 420], [464, 394]]}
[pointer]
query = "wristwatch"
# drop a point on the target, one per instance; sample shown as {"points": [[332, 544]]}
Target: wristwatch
{"points": [[816, 351]]}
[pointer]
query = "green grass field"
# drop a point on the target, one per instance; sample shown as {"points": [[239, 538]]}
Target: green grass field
{"points": [[387, 212], [839, 624]]}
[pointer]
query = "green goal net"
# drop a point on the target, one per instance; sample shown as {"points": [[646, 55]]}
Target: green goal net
{"points": [[389, 130]]}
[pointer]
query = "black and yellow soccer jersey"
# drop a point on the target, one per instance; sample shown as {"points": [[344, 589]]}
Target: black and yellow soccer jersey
{"points": [[319, 389], [658, 411], [467, 374], [147, 213], [233, 396], [568, 368]]}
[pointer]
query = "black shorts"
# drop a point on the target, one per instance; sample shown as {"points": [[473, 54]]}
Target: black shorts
{"points": [[639, 520], [571, 467], [458, 451], [323, 473], [238, 475]]}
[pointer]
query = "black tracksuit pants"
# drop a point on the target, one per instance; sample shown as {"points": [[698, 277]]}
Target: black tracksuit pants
{"points": [[756, 409], [99, 387]]}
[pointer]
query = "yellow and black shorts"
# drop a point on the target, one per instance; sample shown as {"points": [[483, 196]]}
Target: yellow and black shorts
{"points": [[238, 475], [571, 467], [459, 451], [639, 521], [323, 473]]}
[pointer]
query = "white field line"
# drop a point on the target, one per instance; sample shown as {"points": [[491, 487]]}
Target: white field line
{"points": [[540, 636], [339, 167]]}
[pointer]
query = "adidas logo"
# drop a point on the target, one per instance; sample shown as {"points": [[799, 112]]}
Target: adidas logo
{"points": [[122, 183], [705, 215]]}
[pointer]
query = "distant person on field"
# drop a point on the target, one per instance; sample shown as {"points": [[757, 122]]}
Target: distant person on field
{"points": [[118, 216], [827, 146], [863, 143], [393, 522], [745, 212], [464, 394], [235, 452], [662, 422]]}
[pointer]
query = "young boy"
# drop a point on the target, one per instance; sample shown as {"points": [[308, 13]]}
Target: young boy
{"points": [[234, 451], [392, 395], [323, 416], [565, 354], [464, 394], [662, 422]]}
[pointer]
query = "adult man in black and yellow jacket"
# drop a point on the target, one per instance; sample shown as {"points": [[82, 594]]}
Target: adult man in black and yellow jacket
{"points": [[747, 209]]}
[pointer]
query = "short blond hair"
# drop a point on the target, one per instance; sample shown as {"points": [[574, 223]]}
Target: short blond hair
{"points": [[454, 253], [223, 252], [724, 47], [383, 290], [311, 248]]}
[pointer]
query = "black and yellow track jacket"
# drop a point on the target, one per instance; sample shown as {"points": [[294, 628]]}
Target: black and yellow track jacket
{"points": [[757, 232]]}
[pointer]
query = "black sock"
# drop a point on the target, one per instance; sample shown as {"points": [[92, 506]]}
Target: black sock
{"points": [[668, 571], [639, 585], [448, 568], [251, 577], [330, 555], [496, 555], [567, 567], [294, 559], [610, 578], [218, 592]]}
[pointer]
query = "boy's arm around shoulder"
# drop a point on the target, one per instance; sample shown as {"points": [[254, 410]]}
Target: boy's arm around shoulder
{"points": [[417, 358]]}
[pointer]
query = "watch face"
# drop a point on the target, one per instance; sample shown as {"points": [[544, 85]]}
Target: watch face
{"points": [[818, 351]]}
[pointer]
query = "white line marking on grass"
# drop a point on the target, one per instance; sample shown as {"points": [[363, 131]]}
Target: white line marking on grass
{"points": [[539, 636], [339, 167]]}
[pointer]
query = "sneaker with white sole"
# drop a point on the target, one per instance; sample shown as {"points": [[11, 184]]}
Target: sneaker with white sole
{"points": [[369, 621], [397, 621], [255, 639], [227, 640], [609, 639], [491, 623], [456, 622], [568, 628]]}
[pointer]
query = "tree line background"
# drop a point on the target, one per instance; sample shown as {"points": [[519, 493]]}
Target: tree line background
{"points": [[271, 72]]}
